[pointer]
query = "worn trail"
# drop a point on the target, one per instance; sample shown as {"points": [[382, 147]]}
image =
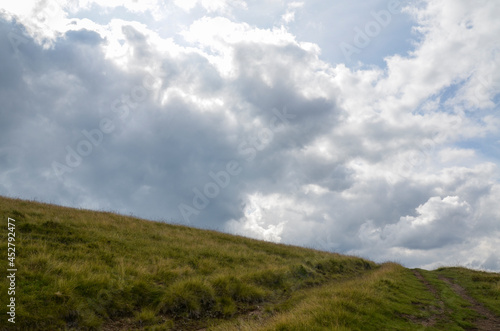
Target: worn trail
{"points": [[440, 313], [488, 321]]}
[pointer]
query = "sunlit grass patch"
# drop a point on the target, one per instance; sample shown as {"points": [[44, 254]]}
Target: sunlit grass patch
{"points": [[81, 269]]}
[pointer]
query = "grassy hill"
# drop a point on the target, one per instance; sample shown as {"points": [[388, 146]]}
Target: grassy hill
{"points": [[86, 270]]}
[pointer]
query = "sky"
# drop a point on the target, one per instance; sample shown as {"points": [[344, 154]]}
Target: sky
{"points": [[367, 128]]}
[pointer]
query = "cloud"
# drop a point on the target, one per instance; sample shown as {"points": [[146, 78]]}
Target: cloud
{"points": [[289, 16], [239, 124], [439, 222], [457, 155], [221, 6]]}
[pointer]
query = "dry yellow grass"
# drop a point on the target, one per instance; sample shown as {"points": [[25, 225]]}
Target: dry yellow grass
{"points": [[88, 270]]}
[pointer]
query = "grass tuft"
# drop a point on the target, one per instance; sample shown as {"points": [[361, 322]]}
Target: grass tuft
{"points": [[87, 270]]}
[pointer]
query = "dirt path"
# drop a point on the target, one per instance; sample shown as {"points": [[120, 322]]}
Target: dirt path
{"points": [[431, 321], [488, 321]]}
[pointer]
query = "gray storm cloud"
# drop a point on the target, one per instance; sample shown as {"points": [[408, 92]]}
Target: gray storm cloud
{"points": [[246, 129]]}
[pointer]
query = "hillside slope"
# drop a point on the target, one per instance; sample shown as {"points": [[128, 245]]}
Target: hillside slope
{"points": [[86, 270]]}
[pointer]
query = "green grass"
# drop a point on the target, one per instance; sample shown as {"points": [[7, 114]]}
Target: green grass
{"points": [[482, 286], [381, 300], [87, 270], [457, 315]]}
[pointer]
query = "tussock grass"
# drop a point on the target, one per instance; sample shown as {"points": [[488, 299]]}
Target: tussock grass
{"points": [[81, 269], [389, 298], [482, 286], [373, 301], [87, 270]]}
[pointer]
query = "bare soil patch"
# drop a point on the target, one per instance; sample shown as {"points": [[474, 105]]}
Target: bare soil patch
{"points": [[488, 321], [440, 314]]}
